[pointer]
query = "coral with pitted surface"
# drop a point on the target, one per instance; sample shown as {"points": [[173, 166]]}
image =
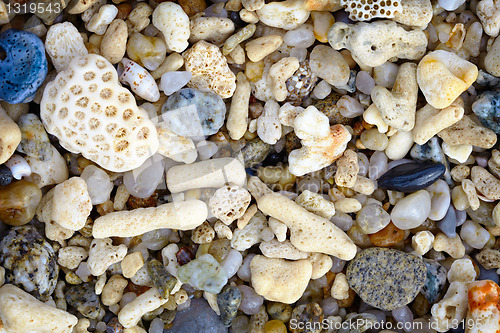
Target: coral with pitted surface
{"points": [[365, 10], [90, 113]]}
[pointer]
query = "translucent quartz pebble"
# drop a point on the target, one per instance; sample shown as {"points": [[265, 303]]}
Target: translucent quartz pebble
{"points": [[372, 218], [18, 202], [174, 81], [404, 316], [378, 165], [144, 180], [156, 239], [250, 300], [204, 273], [302, 37], [440, 193], [411, 211], [411, 177], [98, 182]]}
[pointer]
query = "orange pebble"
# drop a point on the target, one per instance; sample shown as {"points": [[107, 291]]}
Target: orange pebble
{"points": [[388, 236]]}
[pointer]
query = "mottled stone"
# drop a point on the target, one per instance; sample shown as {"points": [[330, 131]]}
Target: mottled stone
{"points": [[328, 106], [255, 152], [300, 84], [487, 109], [229, 301], [29, 261], [84, 299], [5, 175], [360, 322], [34, 140], [310, 314], [411, 177], [162, 280], [386, 279], [434, 284], [190, 112], [203, 273], [199, 318], [48, 10], [485, 79], [483, 214]]}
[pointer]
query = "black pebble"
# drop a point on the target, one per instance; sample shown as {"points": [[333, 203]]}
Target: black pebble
{"points": [[5, 175], [411, 177]]}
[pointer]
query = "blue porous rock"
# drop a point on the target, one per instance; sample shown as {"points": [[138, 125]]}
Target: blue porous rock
{"points": [[411, 177], [24, 67], [487, 109]]}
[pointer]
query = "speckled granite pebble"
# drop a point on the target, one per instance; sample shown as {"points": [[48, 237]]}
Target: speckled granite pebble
{"points": [[329, 107], [487, 109], [255, 152], [435, 281], [229, 301], [386, 279], [29, 261], [432, 151], [84, 299], [5, 175]]}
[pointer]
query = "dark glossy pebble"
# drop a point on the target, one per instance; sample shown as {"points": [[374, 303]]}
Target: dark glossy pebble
{"points": [[235, 17], [5, 175], [229, 301], [274, 158], [411, 177]]}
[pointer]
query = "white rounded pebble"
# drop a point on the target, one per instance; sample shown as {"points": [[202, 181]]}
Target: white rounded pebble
{"points": [[156, 326], [440, 199], [232, 263], [412, 210], [244, 270], [18, 166], [174, 81], [404, 316], [99, 184], [364, 82], [144, 180], [206, 149], [450, 5], [299, 52], [474, 235], [302, 37], [322, 89], [349, 107], [250, 300]]}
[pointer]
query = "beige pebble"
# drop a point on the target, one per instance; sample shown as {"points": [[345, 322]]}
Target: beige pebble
{"points": [[321, 264], [22, 313], [279, 228], [422, 242], [470, 192], [430, 121], [316, 203], [10, 136], [288, 14], [260, 47], [203, 234], [459, 198], [253, 5], [485, 182], [309, 232], [282, 250], [452, 308], [398, 106], [280, 280], [71, 256], [131, 263], [279, 73], [214, 30], [461, 270], [460, 172], [238, 55], [229, 203], [239, 37], [374, 140], [49, 172], [103, 254], [113, 290], [442, 76], [184, 215], [249, 213], [171, 63], [121, 197], [114, 43], [329, 65], [173, 22], [71, 204], [238, 113], [347, 169], [138, 19], [487, 12], [131, 313], [399, 145], [249, 16], [492, 59], [347, 205], [459, 153], [340, 288], [452, 246], [222, 230], [363, 185], [466, 131]]}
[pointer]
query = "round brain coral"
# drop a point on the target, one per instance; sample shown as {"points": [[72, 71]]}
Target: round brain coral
{"points": [[90, 113]]}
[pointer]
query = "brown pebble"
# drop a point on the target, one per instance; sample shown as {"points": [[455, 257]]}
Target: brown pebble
{"points": [[134, 202], [123, 10], [389, 236]]}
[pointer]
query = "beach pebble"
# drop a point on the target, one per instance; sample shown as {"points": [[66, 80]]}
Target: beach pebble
{"points": [[486, 107], [20, 200], [199, 317], [98, 183], [250, 300], [386, 279], [489, 258], [412, 210], [5, 176], [173, 22], [172, 82], [24, 66], [30, 261], [467, 132], [485, 182], [452, 308], [193, 113], [411, 177], [301, 83], [484, 299], [228, 302], [280, 280], [10, 136], [34, 140], [440, 197], [448, 224], [84, 299], [335, 71], [287, 14], [203, 273], [435, 282], [474, 235], [372, 218]]}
